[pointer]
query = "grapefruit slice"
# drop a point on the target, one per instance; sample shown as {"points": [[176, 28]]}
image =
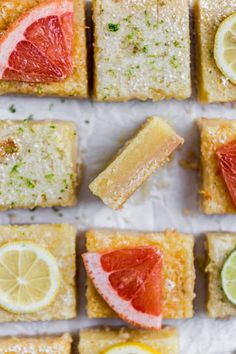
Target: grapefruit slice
{"points": [[130, 281], [38, 46], [226, 155]]}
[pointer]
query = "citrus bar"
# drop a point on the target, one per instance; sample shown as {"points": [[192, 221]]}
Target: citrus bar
{"points": [[220, 246], [64, 54], [178, 268], [142, 49], [215, 133], [38, 164], [52, 345], [59, 241], [213, 86], [95, 341], [148, 150]]}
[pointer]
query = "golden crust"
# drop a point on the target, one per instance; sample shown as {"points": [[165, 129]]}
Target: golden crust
{"points": [[39, 345], [147, 151], [60, 241], [76, 84], [212, 84], [219, 245], [215, 198], [93, 341], [179, 273]]}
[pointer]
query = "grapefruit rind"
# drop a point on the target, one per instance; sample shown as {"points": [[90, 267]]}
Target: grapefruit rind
{"points": [[15, 32], [100, 279]]}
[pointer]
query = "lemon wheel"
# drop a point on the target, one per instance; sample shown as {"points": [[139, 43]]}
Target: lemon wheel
{"points": [[29, 277], [131, 347], [225, 48]]}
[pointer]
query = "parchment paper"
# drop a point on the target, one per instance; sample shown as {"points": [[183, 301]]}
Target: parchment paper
{"points": [[169, 199]]}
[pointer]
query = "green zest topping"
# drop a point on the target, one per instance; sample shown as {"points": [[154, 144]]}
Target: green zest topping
{"points": [[30, 183], [12, 108], [15, 168], [113, 27], [49, 177], [174, 62]]}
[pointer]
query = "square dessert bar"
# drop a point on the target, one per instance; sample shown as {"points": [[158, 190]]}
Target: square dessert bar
{"points": [[60, 241], [219, 245], [37, 345], [212, 84], [215, 198], [76, 84], [142, 49], [178, 268], [148, 150], [38, 164], [94, 341]]}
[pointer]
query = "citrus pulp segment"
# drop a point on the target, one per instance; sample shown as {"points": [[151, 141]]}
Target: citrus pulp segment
{"points": [[37, 47]]}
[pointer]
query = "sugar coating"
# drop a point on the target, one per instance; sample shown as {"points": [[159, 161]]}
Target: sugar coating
{"points": [[142, 49], [213, 86], [60, 241], [36, 345], [215, 198], [76, 84], [219, 245], [93, 341], [41, 169], [178, 268]]}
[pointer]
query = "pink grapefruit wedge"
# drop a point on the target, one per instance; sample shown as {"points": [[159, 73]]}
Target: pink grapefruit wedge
{"points": [[130, 281], [226, 155], [38, 46]]}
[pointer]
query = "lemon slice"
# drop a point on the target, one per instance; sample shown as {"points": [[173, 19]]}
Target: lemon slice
{"points": [[228, 277], [29, 277], [131, 347], [225, 48]]}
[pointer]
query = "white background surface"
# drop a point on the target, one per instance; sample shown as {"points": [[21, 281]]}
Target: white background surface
{"points": [[159, 204]]}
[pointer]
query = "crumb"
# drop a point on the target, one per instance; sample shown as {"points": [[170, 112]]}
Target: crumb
{"points": [[186, 211], [162, 184], [206, 195], [191, 162]]}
